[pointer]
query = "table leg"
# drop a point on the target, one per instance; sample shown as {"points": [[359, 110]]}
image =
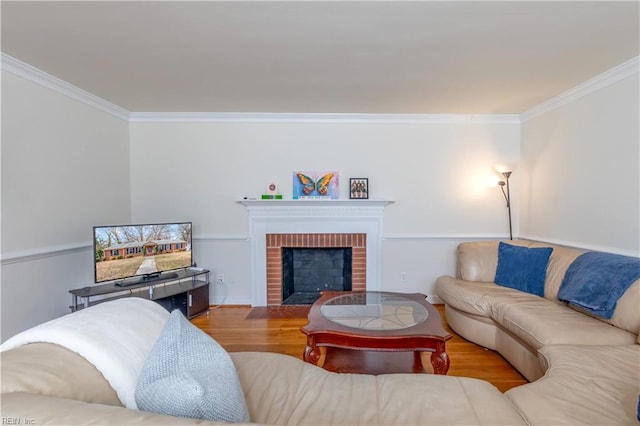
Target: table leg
{"points": [[311, 352], [440, 361]]}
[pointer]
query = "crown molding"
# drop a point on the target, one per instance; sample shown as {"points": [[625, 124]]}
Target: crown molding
{"points": [[33, 74], [625, 70], [230, 117]]}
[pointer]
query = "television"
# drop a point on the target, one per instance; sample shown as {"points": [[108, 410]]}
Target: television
{"points": [[131, 254]]}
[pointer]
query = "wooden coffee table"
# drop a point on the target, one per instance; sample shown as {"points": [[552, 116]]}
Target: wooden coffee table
{"points": [[379, 322]]}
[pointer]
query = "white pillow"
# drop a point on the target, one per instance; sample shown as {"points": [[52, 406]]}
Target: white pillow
{"points": [[188, 374]]}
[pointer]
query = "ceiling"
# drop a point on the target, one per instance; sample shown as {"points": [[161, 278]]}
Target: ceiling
{"points": [[376, 57]]}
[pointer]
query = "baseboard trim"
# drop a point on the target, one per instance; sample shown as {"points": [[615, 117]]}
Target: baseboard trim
{"points": [[232, 301], [435, 300]]}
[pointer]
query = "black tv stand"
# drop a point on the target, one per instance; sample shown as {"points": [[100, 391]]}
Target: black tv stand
{"points": [[187, 290]]}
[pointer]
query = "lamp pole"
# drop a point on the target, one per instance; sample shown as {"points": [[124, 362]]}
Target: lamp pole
{"points": [[507, 197]]}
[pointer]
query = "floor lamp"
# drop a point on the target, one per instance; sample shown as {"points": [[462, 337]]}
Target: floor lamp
{"points": [[507, 197]]}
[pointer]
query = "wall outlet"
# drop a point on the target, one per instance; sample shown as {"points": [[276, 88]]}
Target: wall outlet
{"points": [[403, 277], [220, 278]]}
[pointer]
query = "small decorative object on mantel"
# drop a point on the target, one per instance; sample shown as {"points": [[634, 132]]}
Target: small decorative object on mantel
{"points": [[272, 192], [359, 188], [272, 188], [315, 185]]}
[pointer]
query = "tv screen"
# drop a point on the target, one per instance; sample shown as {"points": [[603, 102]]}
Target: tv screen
{"points": [[146, 250]]}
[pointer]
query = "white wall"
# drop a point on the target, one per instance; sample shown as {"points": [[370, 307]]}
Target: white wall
{"points": [[65, 168], [436, 172], [580, 168]]}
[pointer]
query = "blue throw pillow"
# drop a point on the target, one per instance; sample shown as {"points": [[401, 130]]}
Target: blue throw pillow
{"points": [[522, 268]]}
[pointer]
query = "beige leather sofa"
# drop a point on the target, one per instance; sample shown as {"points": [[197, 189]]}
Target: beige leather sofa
{"points": [[45, 383], [585, 370]]}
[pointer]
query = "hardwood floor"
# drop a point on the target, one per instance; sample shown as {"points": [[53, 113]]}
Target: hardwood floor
{"points": [[229, 326]]}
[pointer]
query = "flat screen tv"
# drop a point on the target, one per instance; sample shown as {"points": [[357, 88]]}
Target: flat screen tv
{"points": [[130, 254]]}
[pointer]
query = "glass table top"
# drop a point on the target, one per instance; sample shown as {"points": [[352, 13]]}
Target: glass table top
{"points": [[374, 311]]}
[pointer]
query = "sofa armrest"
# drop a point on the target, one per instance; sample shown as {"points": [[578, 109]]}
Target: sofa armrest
{"points": [[49, 369]]}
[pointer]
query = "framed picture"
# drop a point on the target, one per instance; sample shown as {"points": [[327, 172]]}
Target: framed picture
{"points": [[315, 185], [358, 188]]}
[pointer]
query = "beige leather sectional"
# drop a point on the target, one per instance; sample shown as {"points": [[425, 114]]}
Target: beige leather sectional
{"points": [[51, 385], [583, 369]]}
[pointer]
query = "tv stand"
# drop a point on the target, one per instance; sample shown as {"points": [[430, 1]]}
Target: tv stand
{"points": [[187, 290]]}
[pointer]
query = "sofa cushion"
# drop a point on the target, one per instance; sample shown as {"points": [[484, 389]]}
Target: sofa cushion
{"points": [[472, 297], [522, 268], [188, 374], [309, 395], [560, 260], [540, 322], [595, 385]]}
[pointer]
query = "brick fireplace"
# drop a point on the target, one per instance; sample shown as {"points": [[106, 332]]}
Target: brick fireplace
{"points": [[274, 224], [276, 242]]}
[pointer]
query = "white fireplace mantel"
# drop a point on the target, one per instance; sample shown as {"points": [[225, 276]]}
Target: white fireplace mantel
{"points": [[289, 204], [311, 216]]}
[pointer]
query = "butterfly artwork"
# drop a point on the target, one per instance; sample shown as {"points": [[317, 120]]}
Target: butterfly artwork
{"points": [[315, 184]]}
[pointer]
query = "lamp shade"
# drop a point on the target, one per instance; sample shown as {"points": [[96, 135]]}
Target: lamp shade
{"points": [[502, 168]]}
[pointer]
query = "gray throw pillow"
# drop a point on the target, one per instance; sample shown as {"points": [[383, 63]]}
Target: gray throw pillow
{"points": [[188, 374]]}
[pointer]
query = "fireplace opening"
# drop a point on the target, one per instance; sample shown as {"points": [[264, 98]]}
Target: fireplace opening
{"points": [[306, 272]]}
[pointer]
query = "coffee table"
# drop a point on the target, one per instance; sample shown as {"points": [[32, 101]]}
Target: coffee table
{"points": [[377, 321]]}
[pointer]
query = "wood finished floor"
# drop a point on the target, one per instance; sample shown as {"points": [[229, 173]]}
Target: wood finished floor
{"points": [[229, 326]]}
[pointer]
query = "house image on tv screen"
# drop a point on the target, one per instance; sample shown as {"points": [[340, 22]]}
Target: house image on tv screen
{"points": [[147, 248]]}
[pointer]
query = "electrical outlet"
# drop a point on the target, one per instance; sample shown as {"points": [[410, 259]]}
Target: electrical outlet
{"points": [[220, 277], [403, 277]]}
